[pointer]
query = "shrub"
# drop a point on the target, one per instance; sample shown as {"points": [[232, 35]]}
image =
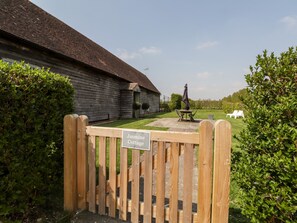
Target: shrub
{"points": [[145, 106], [136, 105], [175, 102], [164, 107], [33, 104], [266, 169]]}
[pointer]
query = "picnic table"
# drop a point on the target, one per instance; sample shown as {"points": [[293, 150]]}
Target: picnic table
{"points": [[185, 115]]}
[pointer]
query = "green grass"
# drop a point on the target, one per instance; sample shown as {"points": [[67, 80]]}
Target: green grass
{"points": [[134, 123], [237, 126]]}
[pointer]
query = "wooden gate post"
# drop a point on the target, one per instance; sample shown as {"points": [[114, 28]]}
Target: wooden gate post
{"points": [[205, 170], [221, 175], [70, 155], [82, 162]]}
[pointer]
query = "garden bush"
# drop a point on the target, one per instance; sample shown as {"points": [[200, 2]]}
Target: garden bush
{"points": [[175, 102], [136, 105], [266, 167], [33, 103], [164, 107], [145, 106]]}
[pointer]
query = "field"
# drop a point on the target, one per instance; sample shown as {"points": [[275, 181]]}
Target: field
{"points": [[237, 126]]}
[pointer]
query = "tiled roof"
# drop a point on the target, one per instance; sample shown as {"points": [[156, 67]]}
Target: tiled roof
{"points": [[23, 19]]}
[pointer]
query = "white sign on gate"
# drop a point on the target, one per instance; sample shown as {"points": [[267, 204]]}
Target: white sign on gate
{"points": [[136, 139]]}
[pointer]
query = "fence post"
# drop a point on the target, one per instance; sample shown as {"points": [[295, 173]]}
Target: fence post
{"points": [[70, 174], [82, 158], [221, 175], [205, 155]]}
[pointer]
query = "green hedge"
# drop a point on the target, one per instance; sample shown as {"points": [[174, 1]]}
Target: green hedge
{"points": [[266, 169], [33, 103]]}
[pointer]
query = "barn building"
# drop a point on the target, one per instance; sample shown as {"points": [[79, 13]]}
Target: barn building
{"points": [[105, 86]]}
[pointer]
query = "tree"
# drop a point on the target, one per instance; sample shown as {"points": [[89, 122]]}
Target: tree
{"points": [[175, 101], [266, 167], [234, 101]]}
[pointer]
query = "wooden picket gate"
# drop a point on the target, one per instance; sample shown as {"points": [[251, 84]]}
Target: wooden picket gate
{"points": [[100, 177]]}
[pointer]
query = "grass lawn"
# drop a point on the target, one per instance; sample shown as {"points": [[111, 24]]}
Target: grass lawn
{"points": [[237, 126]]}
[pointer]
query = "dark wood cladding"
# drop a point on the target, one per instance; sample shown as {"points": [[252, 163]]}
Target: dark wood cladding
{"points": [[126, 104], [153, 99], [97, 94]]}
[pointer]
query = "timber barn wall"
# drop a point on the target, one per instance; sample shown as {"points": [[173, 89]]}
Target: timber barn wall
{"points": [[97, 94], [153, 99], [126, 104]]}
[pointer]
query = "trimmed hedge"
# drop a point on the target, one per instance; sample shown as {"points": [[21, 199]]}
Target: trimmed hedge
{"points": [[145, 106], [33, 103], [266, 169]]}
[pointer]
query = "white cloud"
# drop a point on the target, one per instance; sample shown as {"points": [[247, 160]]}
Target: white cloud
{"points": [[289, 21], [203, 75], [208, 44], [126, 55], [150, 50]]}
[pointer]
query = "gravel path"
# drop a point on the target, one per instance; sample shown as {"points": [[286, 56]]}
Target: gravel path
{"points": [[88, 217], [174, 125]]}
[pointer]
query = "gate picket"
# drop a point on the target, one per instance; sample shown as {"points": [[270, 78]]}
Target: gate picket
{"points": [[148, 177], [92, 174], [160, 183], [135, 186], [123, 183], [102, 175], [188, 180], [112, 176], [174, 164]]}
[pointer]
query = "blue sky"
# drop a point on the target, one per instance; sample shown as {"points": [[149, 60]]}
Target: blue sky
{"points": [[207, 44]]}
